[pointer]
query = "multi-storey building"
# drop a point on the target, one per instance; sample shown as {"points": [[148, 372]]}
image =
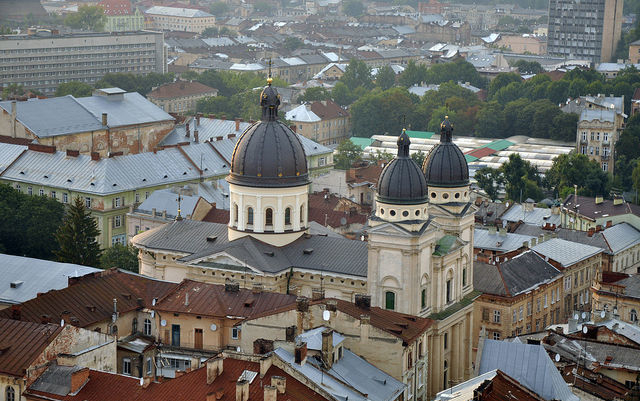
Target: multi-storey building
{"points": [[180, 19], [619, 294], [587, 29], [634, 52], [324, 122], [120, 16], [44, 61], [180, 96]]}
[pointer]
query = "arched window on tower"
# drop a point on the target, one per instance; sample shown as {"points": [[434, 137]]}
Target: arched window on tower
{"points": [[235, 213], [423, 298], [287, 216], [390, 300], [10, 394], [302, 214], [445, 372], [449, 287], [633, 316], [268, 217], [250, 216]]}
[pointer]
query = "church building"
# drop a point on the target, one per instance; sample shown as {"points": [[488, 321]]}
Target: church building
{"points": [[417, 260]]}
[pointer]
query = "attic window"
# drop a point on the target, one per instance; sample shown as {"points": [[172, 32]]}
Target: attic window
{"points": [[16, 284], [92, 184], [165, 176], [269, 253], [144, 179], [212, 238], [69, 180], [115, 185], [22, 172], [308, 251], [185, 173], [46, 176]]}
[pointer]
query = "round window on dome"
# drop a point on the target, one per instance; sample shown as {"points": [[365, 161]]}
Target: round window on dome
{"points": [[405, 214], [445, 196], [465, 194], [417, 213], [457, 195], [392, 212], [381, 211], [433, 195]]}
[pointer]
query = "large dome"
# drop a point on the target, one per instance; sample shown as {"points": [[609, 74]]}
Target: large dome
{"points": [[445, 165], [268, 154], [402, 181]]}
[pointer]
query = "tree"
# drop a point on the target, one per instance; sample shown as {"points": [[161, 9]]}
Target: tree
{"points": [[120, 256], [636, 177], [419, 157], [219, 8], [77, 236], [577, 169], [347, 153], [353, 8], [528, 67], [413, 74], [75, 88], [316, 93], [357, 74], [502, 80], [29, 223], [12, 91], [381, 156], [521, 179], [134, 83], [385, 78], [90, 18], [490, 180], [342, 95], [292, 43]]}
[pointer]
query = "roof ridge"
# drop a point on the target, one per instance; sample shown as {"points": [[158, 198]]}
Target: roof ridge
{"points": [[504, 283]]}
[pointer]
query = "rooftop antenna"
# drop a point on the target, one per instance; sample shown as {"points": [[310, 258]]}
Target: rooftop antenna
{"points": [[179, 217], [269, 79]]}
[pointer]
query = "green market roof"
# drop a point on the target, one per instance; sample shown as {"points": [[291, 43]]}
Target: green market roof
{"points": [[500, 144], [362, 142], [420, 134]]}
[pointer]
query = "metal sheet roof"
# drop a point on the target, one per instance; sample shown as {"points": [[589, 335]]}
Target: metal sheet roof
{"points": [[8, 153], [313, 338], [32, 276], [621, 236], [529, 364], [600, 115], [538, 216], [565, 252], [167, 200], [177, 12], [506, 242], [131, 110], [302, 114]]}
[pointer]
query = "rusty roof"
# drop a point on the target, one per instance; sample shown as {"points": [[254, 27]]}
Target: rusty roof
{"points": [[215, 300], [180, 89], [190, 386], [503, 387], [89, 298], [327, 110], [328, 209], [22, 342]]}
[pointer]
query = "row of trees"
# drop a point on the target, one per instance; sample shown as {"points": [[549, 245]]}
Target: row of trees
{"points": [[40, 227]]}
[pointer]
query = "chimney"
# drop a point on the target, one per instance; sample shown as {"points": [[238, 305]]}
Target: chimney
{"points": [[302, 304], [301, 353], [187, 130], [534, 240], [73, 153], [317, 294], [525, 244], [363, 301], [270, 393], [196, 137], [242, 390], [591, 231], [293, 128], [599, 199], [502, 232], [153, 212], [231, 136], [332, 305], [198, 119], [290, 333], [618, 200], [280, 383], [327, 348], [65, 315], [16, 312], [231, 286], [78, 379], [265, 364], [365, 324], [104, 119], [95, 156], [237, 124], [215, 368]]}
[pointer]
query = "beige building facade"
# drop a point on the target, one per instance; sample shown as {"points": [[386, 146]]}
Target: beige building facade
{"points": [[180, 96], [323, 121], [523, 44], [180, 19]]}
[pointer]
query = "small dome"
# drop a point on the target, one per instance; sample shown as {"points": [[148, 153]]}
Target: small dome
{"points": [[268, 154], [402, 181], [445, 165]]}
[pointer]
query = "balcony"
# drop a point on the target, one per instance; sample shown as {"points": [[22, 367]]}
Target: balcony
{"points": [[604, 157]]}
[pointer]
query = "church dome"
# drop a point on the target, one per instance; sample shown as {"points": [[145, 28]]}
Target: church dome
{"points": [[402, 181], [446, 166], [268, 154]]}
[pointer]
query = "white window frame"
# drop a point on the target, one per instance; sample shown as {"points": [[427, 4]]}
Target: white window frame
{"points": [[235, 333], [126, 366]]}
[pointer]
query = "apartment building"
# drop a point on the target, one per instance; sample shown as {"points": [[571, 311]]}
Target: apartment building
{"points": [[324, 122], [180, 19], [120, 16], [588, 29], [180, 96], [45, 60]]}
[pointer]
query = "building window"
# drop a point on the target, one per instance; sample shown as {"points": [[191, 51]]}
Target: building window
{"points": [[118, 239], [268, 217], [126, 366], [54, 195], [117, 221], [546, 304], [235, 333], [445, 340], [134, 325], [390, 300], [149, 369], [175, 335], [117, 202], [302, 214], [146, 195], [521, 314], [496, 316], [605, 166], [29, 191], [423, 298], [87, 203], [250, 216], [147, 327], [41, 192], [464, 277], [445, 371], [114, 330], [449, 291], [65, 198], [496, 335], [633, 316], [235, 213], [137, 197], [515, 316], [18, 187], [287, 216], [10, 394]]}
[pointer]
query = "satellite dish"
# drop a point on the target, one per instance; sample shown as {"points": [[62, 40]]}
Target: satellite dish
{"points": [[343, 221], [62, 323], [213, 327], [557, 358], [326, 315], [163, 323], [575, 316], [584, 329], [602, 314], [153, 302], [141, 381], [153, 314], [584, 315]]}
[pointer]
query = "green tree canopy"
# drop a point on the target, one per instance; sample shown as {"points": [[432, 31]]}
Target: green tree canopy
{"points": [[75, 88], [490, 181], [521, 178], [347, 153], [219, 8], [385, 78], [419, 157], [357, 74], [353, 8], [134, 83], [577, 169], [88, 18], [413, 74], [314, 94], [292, 43], [120, 256], [77, 236]]}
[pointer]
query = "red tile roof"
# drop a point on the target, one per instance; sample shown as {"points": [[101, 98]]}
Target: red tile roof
{"points": [[588, 207], [116, 7], [180, 89], [89, 299], [370, 173], [214, 300], [330, 210], [503, 387], [215, 215], [636, 94], [328, 110], [22, 342], [191, 386]]}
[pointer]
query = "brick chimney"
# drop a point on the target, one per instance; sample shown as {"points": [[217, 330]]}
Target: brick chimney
{"points": [[187, 130], [270, 393], [104, 119], [196, 137], [363, 301], [327, 348], [242, 390], [78, 379], [237, 124], [95, 156], [73, 153], [301, 353], [279, 383], [294, 128], [302, 304], [16, 312]]}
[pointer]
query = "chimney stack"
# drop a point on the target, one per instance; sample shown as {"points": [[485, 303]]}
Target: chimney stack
{"points": [[270, 393], [302, 304], [242, 390], [237, 124], [16, 312], [187, 130], [365, 324], [78, 379], [14, 117], [317, 294], [95, 156], [215, 368], [196, 137], [265, 364], [327, 348], [280, 383], [104, 119], [301, 353], [363, 301]]}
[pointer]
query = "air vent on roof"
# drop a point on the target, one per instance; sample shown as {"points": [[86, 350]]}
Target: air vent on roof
{"points": [[184, 173], [92, 184], [248, 303], [115, 185], [269, 253], [22, 172], [308, 251], [144, 179], [16, 284], [165, 176], [46, 176], [69, 180], [212, 238]]}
